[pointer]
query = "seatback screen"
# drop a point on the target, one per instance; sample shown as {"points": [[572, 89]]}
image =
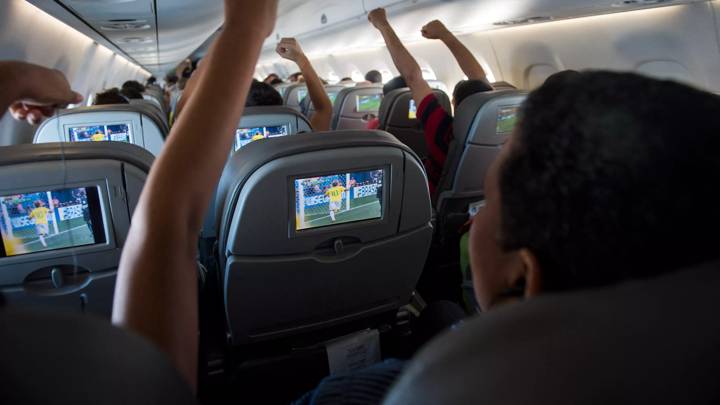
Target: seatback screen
{"points": [[507, 118], [370, 103], [332, 97], [50, 220], [301, 94], [101, 133], [338, 199], [412, 110], [244, 136]]}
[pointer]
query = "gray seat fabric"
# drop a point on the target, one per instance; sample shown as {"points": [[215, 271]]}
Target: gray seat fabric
{"points": [[651, 342], [345, 111], [479, 136], [62, 359], [77, 279], [294, 94], [394, 118], [279, 281], [147, 124]]}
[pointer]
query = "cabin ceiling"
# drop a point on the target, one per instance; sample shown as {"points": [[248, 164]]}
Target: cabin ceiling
{"points": [[157, 34]]}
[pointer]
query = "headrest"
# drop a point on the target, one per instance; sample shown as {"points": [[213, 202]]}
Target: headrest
{"points": [[395, 109], [652, 341], [62, 359], [62, 151], [503, 86], [304, 208], [140, 124], [354, 104], [306, 105]]}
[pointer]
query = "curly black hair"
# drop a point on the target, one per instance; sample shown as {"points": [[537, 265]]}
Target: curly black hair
{"points": [[613, 176], [263, 94]]}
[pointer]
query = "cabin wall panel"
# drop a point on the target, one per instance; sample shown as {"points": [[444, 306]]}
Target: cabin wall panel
{"points": [[30, 35], [677, 42]]}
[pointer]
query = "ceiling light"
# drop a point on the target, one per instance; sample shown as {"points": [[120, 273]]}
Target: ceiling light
{"points": [[125, 26], [527, 20]]}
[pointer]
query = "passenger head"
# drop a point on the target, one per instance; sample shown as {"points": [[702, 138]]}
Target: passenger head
{"points": [[467, 88], [608, 177], [263, 94], [131, 93], [374, 77], [296, 77], [394, 84], [151, 80], [171, 80], [38, 203], [269, 79], [276, 81], [335, 183], [110, 96], [346, 79], [133, 85]]}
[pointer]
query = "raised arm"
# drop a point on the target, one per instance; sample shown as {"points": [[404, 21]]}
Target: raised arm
{"points": [[290, 49], [156, 291], [469, 65], [404, 62], [31, 92]]}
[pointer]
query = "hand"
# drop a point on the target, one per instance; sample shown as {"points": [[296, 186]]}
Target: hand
{"points": [[258, 14], [38, 91], [290, 49], [434, 30], [378, 18]]}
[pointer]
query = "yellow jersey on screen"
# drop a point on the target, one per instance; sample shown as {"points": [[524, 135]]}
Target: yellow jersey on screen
{"points": [[39, 215], [335, 193]]}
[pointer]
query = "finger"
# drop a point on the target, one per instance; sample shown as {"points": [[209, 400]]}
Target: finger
{"points": [[34, 117]]}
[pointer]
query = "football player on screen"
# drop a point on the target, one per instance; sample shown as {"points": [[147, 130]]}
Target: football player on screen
{"points": [[335, 193]]}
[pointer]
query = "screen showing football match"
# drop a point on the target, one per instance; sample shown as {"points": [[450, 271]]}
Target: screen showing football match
{"points": [[50, 220], [507, 118], [369, 103], [302, 93], [244, 136], [100, 133], [338, 199], [412, 110]]}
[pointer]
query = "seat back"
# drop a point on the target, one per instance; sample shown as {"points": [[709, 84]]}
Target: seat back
{"points": [[51, 358], [264, 122], [482, 124], [652, 341], [398, 116], [287, 267], [355, 106], [306, 106], [294, 95], [66, 210], [140, 124], [503, 86]]}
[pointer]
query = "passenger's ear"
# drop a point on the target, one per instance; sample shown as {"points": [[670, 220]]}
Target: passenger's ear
{"points": [[533, 273]]}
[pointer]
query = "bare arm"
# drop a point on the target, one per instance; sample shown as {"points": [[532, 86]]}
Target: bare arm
{"points": [[469, 65], [405, 63], [190, 87], [290, 49], [156, 291]]}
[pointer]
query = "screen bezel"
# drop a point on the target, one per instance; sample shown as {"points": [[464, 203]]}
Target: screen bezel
{"points": [[131, 135], [96, 207], [287, 126], [292, 219], [357, 102], [497, 118]]}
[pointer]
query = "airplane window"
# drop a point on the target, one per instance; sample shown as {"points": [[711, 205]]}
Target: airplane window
{"points": [[357, 76], [244, 136], [386, 75], [338, 198], [333, 78], [428, 74], [50, 220]]}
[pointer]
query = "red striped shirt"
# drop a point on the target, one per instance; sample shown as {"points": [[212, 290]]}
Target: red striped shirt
{"points": [[438, 127]]}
